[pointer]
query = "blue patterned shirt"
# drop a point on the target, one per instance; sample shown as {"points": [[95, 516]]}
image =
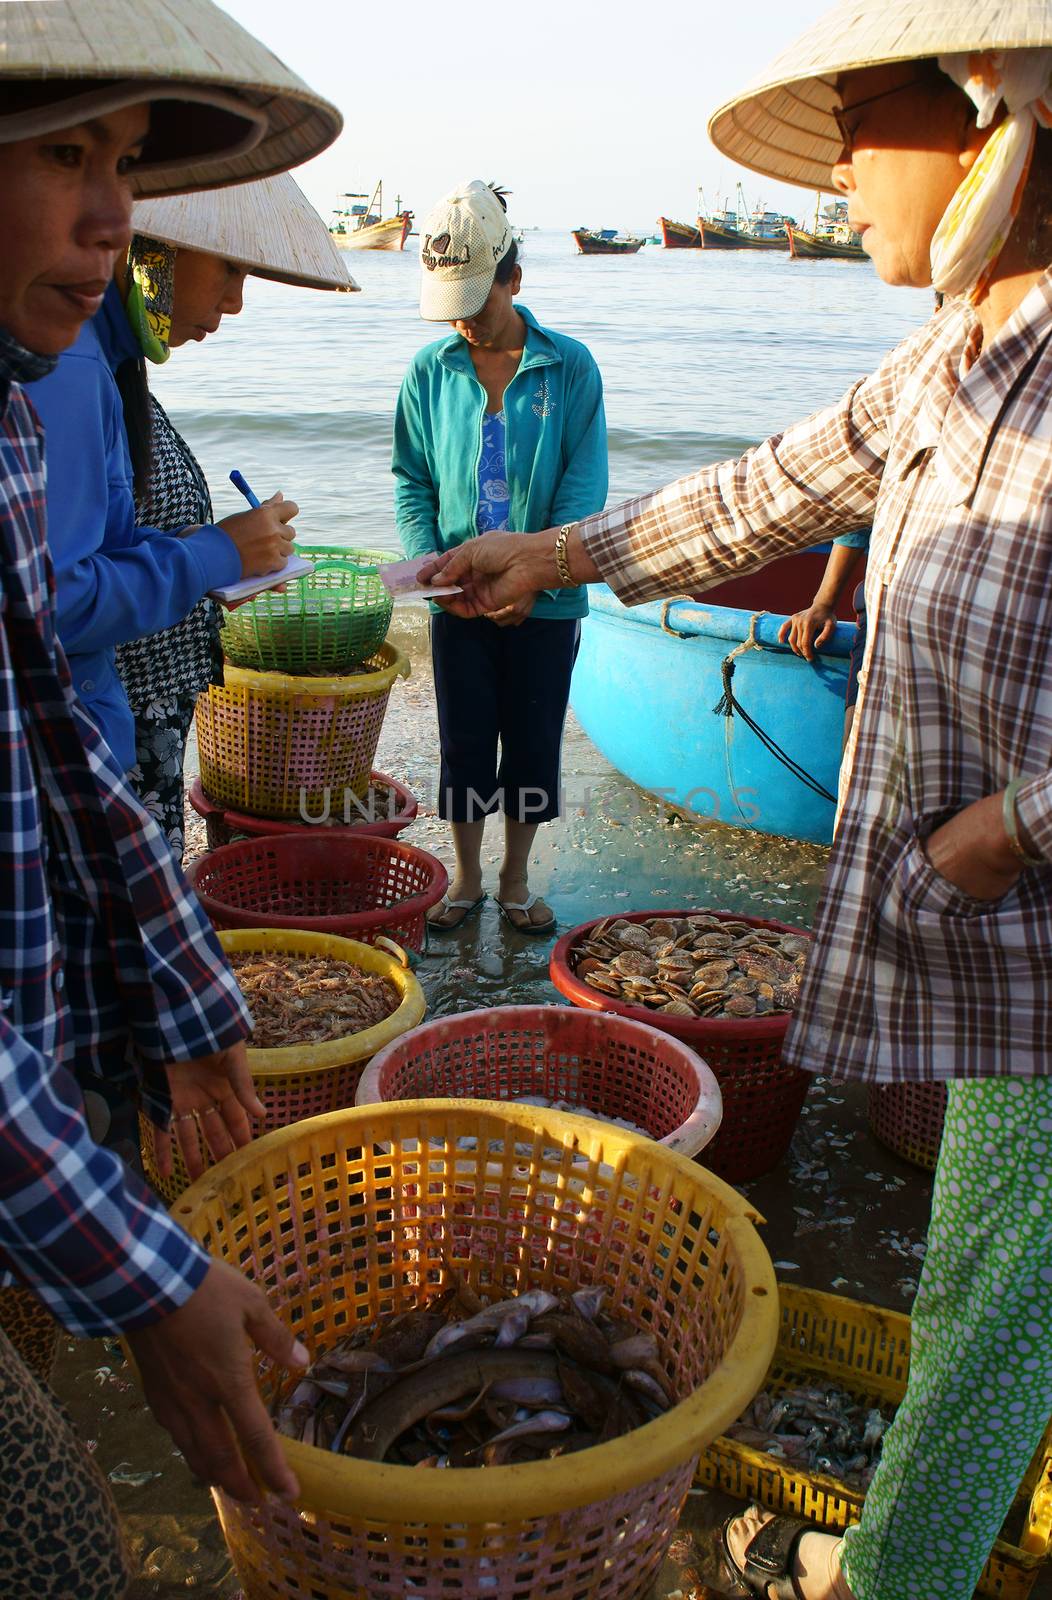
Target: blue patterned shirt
{"points": [[494, 498], [105, 955]]}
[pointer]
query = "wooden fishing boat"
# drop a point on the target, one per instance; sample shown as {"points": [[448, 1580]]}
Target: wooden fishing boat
{"points": [[364, 227], [649, 683], [805, 246], [679, 235], [605, 242]]}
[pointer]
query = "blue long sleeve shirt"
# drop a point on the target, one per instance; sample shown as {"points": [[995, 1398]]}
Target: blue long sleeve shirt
{"points": [[114, 581]]}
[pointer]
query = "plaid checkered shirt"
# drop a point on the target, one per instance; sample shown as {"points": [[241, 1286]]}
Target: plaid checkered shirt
{"points": [[105, 955], [947, 449]]}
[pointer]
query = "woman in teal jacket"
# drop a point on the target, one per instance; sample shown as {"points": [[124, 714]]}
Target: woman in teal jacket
{"points": [[501, 425]]}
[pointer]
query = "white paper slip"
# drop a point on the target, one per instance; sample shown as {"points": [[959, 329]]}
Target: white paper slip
{"points": [[400, 580], [295, 567]]}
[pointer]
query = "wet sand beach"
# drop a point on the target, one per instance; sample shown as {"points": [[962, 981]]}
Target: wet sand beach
{"points": [[843, 1213]]}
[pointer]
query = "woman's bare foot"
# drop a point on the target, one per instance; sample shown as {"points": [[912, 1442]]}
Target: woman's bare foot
{"points": [[513, 894], [816, 1573]]}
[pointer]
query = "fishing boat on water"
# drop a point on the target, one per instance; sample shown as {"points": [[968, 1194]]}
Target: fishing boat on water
{"points": [[606, 242], [679, 235], [832, 238], [364, 227], [696, 701]]}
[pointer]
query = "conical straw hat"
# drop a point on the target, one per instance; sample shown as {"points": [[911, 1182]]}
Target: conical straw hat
{"points": [[226, 108], [782, 124], [269, 227]]}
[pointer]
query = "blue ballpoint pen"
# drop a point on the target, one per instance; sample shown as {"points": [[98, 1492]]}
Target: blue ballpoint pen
{"points": [[239, 483]]}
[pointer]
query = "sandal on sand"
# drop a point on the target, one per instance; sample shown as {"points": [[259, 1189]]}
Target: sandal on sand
{"points": [[465, 907], [768, 1559], [525, 906]]}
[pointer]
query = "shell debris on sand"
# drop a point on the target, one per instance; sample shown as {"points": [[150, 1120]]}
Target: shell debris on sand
{"points": [[460, 1383], [697, 966], [309, 999]]}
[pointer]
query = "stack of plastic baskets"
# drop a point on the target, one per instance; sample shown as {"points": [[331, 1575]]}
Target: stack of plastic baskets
{"points": [[291, 734]]}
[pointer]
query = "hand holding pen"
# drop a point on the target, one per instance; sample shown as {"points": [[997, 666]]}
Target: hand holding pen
{"points": [[264, 535]]}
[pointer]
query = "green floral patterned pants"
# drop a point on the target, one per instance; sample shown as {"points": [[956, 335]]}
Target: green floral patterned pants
{"points": [[980, 1388]]}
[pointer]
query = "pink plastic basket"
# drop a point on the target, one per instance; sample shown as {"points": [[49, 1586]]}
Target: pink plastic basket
{"points": [[908, 1118], [607, 1065]]}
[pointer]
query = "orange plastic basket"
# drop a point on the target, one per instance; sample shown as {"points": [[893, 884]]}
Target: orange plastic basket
{"points": [[825, 1338], [286, 747], [348, 1217], [762, 1098], [614, 1067], [344, 884], [908, 1118], [303, 1080]]}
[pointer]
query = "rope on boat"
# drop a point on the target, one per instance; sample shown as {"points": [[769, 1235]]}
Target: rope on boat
{"points": [[729, 703], [666, 626]]}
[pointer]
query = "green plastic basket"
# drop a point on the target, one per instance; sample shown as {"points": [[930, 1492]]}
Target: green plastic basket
{"points": [[325, 623]]}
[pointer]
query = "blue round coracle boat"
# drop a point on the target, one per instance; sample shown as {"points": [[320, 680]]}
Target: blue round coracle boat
{"points": [[650, 689]]}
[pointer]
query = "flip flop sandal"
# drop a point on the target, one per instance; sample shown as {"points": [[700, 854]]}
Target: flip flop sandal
{"points": [[465, 907], [525, 906], [768, 1559]]}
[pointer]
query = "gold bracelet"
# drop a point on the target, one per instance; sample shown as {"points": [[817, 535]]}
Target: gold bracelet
{"points": [[1011, 822], [562, 566]]}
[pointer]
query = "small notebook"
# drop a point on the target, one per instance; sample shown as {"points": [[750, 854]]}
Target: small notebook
{"points": [[233, 593]]}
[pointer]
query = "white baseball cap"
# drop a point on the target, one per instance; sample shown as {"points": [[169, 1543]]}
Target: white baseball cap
{"points": [[462, 241]]}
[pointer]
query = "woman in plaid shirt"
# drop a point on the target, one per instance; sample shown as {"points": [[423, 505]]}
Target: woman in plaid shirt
{"points": [[932, 956], [104, 952]]}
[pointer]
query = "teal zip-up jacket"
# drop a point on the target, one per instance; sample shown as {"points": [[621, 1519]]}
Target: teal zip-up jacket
{"points": [[555, 438]]}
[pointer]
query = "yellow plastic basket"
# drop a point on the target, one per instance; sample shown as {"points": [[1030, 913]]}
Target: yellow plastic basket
{"points": [[305, 1080], [350, 1216], [866, 1350], [283, 747]]}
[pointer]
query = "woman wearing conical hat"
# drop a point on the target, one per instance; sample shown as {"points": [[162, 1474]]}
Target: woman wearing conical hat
{"points": [[185, 271], [105, 955], [932, 956]]}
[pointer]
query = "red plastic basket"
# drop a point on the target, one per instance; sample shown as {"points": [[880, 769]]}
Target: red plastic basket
{"points": [[762, 1099], [608, 1064], [908, 1118], [223, 825], [340, 884]]}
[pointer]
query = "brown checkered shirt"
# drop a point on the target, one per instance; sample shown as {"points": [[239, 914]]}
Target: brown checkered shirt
{"points": [[947, 450]]}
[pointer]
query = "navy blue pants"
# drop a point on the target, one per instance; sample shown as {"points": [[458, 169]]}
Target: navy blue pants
{"points": [[506, 686]]}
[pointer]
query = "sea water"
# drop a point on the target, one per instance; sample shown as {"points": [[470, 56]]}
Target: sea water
{"points": [[702, 353]]}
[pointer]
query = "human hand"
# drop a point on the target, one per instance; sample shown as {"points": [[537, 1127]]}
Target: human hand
{"points": [[263, 535], [513, 615], [215, 1093], [806, 631], [495, 571], [198, 1378], [972, 851]]}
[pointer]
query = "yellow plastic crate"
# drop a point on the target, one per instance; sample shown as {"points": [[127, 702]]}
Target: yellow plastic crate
{"points": [[866, 1351]]}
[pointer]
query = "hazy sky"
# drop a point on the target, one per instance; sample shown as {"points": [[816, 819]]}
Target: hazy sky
{"points": [[591, 113]]}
